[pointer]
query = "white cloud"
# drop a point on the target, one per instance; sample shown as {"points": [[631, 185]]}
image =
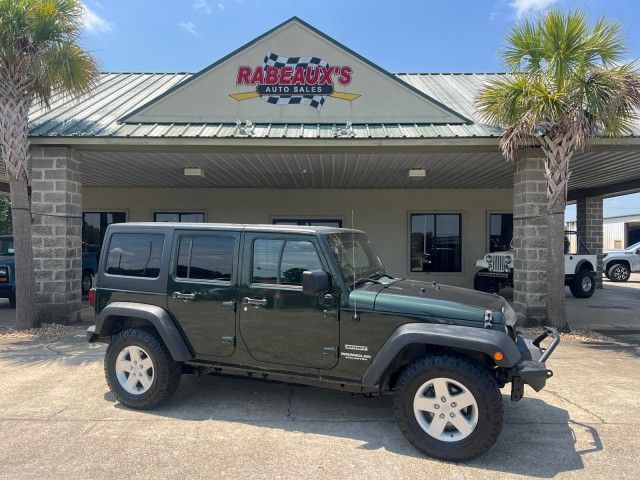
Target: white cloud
{"points": [[188, 27], [203, 7], [221, 6], [524, 7], [94, 23]]}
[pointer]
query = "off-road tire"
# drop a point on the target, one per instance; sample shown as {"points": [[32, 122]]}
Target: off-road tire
{"points": [[576, 284], [86, 281], [477, 379], [485, 284], [618, 272], [12, 300], [167, 372]]}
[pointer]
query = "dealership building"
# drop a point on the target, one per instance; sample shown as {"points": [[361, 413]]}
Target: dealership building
{"points": [[296, 128]]}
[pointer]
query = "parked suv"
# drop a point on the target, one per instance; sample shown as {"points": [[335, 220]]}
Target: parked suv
{"points": [[618, 264], [496, 269], [8, 270], [308, 305]]}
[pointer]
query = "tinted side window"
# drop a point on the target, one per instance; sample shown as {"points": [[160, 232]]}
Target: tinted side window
{"points": [[135, 255], [297, 257], [266, 255], [205, 257]]}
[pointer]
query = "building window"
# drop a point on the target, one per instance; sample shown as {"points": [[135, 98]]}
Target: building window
{"points": [[436, 242], [309, 222], [135, 255], [500, 231], [205, 257], [94, 227], [179, 217], [282, 262]]}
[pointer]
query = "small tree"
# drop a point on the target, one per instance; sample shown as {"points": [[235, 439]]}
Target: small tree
{"points": [[5, 216], [39, 54], [567, 84]]}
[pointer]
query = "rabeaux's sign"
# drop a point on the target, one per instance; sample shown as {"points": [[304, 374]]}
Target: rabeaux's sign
{"points": [[294, 81]]}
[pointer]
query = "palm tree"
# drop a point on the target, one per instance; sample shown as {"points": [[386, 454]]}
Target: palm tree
{"points": [[39, 55], [567, 84]]}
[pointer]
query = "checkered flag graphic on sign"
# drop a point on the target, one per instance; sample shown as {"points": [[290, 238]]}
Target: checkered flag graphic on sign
{"points": [[273, 60]]}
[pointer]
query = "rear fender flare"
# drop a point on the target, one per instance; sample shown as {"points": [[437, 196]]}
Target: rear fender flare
{"points": [[156, 316], [472, 339]]}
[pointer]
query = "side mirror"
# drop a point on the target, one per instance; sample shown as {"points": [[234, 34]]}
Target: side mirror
{"points": [[314, 281]]}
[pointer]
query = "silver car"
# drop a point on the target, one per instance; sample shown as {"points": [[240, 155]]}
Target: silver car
{"points": [[618, 264]]}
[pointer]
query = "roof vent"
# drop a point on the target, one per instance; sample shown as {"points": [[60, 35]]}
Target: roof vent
{"points": [[344, 132], [244, 130]]}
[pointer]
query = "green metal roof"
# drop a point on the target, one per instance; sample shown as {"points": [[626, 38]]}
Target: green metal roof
{"points": [[101, 113]]}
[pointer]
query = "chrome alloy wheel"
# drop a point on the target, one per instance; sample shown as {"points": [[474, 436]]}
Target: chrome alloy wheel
{"points": [[134, 370], [620, 272], [446, 410], [587, 283]]}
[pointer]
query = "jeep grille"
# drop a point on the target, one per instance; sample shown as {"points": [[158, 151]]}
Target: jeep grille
{"points": [[498, 263]]}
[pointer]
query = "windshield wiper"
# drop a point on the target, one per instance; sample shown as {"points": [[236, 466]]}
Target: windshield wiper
{"points": [[371, 279]]}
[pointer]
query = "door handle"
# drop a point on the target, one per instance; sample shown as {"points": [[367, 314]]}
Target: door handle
{"points": [[256, 302], [187, 297]]}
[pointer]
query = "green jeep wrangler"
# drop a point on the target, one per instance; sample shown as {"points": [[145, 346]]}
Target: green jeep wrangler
{"points": [[314, 306]]}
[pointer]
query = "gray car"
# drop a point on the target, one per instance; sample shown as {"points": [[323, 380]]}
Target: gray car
{"points": [[619, 264]]}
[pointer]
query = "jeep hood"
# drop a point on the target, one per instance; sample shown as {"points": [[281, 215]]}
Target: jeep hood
{"points": [[411, 297]]}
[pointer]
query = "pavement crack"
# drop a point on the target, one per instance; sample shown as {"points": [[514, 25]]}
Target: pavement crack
{"points": [[571, 402], [289, 414]]}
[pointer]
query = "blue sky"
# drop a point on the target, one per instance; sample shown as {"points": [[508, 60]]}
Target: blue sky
{"points": [[399, 35]]}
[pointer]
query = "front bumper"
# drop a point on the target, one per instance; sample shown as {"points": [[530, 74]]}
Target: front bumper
{"points": [[531, 369]]}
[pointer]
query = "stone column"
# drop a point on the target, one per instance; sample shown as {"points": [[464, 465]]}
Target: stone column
{"points": [[56, 204], [530, 240], [590, 229]]}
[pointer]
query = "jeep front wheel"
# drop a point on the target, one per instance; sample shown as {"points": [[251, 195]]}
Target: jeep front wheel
{"points": [[485, 284], [583, 284], [448, 407], [618, 272], [139, 370]]}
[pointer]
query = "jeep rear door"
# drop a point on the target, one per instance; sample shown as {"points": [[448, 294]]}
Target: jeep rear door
{"points": [[278, 322], [202, 289]]}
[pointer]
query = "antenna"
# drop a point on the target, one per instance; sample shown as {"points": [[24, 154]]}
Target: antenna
{"points": [[353, 265]]}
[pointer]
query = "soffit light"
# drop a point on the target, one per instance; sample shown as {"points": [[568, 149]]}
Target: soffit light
{"points": [[193, 172], [417, 173]]}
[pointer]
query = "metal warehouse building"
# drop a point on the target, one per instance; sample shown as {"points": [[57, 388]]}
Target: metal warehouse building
{"points": [[294, 127]]}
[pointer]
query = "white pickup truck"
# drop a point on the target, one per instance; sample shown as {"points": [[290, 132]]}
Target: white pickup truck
{"points": [[496, 269], [618, 264]]}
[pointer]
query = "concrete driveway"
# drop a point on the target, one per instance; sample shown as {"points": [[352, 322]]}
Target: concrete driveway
{"points": [[58, 420]]}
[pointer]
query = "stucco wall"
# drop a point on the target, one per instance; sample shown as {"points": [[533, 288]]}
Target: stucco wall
{"points": [[384, 214]]}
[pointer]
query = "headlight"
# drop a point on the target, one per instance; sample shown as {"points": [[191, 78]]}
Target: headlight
{"points": [[488, 258], [4, 274], [508, 260]]}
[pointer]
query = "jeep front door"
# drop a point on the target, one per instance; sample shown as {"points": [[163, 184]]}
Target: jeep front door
{"points": [[202, 289], [278, 322]]}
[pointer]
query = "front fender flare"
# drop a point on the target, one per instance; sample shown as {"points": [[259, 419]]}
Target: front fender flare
{"points": [[155, 315], [466, 338]]}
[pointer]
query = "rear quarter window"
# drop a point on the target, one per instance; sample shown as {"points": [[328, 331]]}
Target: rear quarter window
{"points": [[135, 255]]}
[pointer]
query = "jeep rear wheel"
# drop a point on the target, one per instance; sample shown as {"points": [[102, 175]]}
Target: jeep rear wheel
{"points": [[139, 370], [618, 272], [583, 284], [448, 407]]}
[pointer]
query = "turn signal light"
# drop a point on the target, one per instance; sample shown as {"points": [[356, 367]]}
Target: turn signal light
{"points": [[92, 297], [498, 356]]}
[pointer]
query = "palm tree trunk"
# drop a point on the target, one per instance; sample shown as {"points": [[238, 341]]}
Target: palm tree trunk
{"points": [[558, 150], [23, 247], [14, 142]]}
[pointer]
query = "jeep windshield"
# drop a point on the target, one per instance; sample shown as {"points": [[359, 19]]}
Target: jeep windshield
{"points": [[357, 259]]}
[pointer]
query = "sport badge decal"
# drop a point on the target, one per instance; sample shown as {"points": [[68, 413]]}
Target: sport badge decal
{"points": [[294, 81]]}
